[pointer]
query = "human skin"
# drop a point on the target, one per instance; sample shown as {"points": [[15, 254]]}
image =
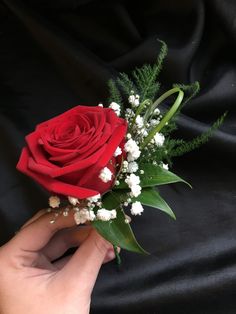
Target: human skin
{"points": [[30, 282]]}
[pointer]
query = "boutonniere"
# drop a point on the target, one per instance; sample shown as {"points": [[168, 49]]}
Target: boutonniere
{"points": [[105, 162]]}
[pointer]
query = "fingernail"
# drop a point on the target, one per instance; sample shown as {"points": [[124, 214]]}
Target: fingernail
{"points": [[111, 254]]}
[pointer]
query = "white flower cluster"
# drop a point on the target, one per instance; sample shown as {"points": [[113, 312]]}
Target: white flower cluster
{"points": [[106, 215], [105, 175], [54, 201], [134, 100], [83, 215], [83, 209], [117, 152], [129, 167], [136, 208], [94, 199], [115, 107], [132, 167], [165, 166], [154, 122], [133, 182], [141, 127], [129, 114], [132, 149], [73, 200], [159, 139], [139, 130], [139, 121]]}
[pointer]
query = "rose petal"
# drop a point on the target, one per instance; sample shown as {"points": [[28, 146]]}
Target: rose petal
{"points": [[111, 146], [60, 171], [50, 184]]}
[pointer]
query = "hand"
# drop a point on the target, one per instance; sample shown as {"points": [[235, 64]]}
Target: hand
{"points": [[30, 282]]}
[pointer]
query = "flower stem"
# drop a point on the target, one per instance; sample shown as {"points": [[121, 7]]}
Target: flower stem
{"points": [[168, 115]]}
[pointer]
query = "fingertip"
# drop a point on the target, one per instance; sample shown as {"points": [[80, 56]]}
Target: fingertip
{"points": [[84, 265], [101, 245], [109, 256]]}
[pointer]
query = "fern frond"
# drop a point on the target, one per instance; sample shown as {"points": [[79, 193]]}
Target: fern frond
{"points": [[126, 84], [161, 154], [170, 145], [146, 76], [190, 91], [188, 146], [169, 128], [144, 83], [115, 94]]}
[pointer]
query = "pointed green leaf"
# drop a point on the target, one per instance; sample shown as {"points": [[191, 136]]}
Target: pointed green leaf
{"points": [[117, 231], [154, 175], [151, 197]]}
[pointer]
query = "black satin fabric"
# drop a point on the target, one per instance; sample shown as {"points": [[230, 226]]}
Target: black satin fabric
{"points": [[57, 54]]}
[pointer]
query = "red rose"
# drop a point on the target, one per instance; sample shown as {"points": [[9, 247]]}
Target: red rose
{"points": [[67, 153]]}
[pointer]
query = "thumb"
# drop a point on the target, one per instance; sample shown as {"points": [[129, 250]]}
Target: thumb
{"points": [[83, 268]]}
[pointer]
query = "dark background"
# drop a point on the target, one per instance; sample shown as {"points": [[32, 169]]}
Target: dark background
{"points": [[55, 54]]}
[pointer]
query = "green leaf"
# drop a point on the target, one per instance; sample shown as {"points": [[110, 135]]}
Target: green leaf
{"points": [[157, 175], [152, 198], [117, 231], [154, 175]]}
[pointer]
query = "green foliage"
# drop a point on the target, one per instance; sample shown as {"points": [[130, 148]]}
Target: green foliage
{"points": [[152, 198], [190, 91], [167, 116], [186, 147], [117, 231], [115, 94], [146, 85], [126, 84], [156, 175], [176, 147], [163, 153], [153, 176], [170, 127], [146, 76], [144, 80]]}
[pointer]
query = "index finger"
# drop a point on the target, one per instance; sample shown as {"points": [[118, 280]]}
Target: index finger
{"points": [[35, 235]]}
